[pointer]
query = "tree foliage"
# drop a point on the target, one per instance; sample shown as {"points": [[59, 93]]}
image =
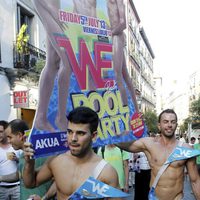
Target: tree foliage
{"points": [[184, 126], [194, 118], [195, 108], [39, 65], [151, 121]]}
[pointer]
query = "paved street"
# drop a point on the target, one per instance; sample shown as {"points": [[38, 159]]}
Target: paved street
{"points": [[187, 192]]}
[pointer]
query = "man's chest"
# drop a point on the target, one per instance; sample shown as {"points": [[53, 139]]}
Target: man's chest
{"points": [[160, 154], [71, 178], [68, 184]]}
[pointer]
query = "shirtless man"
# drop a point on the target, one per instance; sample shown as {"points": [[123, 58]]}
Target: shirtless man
{"points": [[57, 62], [157, 150], [116, 13], [71, 169]]}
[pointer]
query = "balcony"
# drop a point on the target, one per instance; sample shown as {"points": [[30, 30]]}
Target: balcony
{"points": [[29, 60]]}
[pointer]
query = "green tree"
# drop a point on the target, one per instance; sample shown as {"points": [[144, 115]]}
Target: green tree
{"points": [[195, 108], [194, 118], [39, 65], [195, 114], [151, 120], [184, 126]]}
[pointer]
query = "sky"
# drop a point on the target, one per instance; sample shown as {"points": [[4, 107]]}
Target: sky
{"points": [[173, 30]]}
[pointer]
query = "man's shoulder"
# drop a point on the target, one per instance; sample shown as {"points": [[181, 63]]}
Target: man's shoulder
{"points": [[149, 140], [108, 173], [106, 166], [54, 161]]}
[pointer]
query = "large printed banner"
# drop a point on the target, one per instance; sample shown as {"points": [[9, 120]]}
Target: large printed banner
{"points": [[85, 66]]}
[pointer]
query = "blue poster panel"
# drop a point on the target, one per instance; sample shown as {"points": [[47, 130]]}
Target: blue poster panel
{"points": [[85, 66]]}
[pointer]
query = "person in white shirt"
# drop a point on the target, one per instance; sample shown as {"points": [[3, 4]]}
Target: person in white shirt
{"points": [[9, 176]]}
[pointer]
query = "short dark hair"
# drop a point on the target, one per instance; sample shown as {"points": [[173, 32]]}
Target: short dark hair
{"points": [[84, 115], [4, 124], [167, 111], [192, 138], [18, 125]]}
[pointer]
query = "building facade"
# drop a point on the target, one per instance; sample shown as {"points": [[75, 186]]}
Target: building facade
{"points": [[140, 60], [18, 69]]}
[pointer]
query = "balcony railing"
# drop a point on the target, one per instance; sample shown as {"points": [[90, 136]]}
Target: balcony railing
{"points": [[28, 60]]}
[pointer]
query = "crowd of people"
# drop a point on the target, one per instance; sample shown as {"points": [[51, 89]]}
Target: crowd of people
{"points": [[12, 139], [144, 163], [23, 178]]}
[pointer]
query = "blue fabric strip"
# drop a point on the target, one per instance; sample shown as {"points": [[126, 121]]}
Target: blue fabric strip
{"points": [[95, 189]]}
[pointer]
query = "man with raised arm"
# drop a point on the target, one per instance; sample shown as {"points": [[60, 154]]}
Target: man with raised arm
{"points": [[157, 149], [71, 169]]}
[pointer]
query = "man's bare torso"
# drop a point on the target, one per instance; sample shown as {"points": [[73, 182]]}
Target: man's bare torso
{"points": [[170, 185], [70, 175]]}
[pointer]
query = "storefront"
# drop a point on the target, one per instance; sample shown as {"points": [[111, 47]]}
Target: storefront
{"points": [[25, 100]]}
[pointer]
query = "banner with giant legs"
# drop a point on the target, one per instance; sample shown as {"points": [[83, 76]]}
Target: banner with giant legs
{"points": [[85, 66]]}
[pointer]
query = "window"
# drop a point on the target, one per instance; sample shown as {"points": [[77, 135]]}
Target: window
{"points": [[24, 17]]}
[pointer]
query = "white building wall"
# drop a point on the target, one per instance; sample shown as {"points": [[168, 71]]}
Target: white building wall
{"points": [[6, 39], [5, 109], [8, 31], [178, 100]]}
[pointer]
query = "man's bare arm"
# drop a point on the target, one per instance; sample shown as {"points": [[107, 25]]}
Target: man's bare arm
{"points": [[10, 178], [133, 146], [32, 177], [29, 173], [110, 177], [194, 177], [51, 191], [126, 171]]}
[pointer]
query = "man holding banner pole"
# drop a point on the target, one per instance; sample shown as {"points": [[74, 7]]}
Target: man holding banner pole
{"points": [[79, 173], [167, 158]]}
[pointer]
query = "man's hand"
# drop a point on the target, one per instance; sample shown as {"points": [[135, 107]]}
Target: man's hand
{"points": [[12, 156], [126, 188], [28, 151]]}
